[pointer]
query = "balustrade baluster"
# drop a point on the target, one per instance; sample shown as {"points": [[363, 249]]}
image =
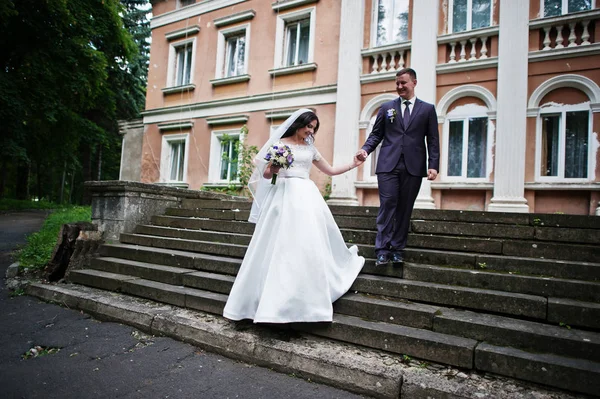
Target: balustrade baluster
{"points": [[463, 44], [483, 51], [452, 53], [547, 38], [572, 36], [375, 63], [384, 64], [586, 34], [473, 55], [401, 60], [559, 37], [392, 60]]}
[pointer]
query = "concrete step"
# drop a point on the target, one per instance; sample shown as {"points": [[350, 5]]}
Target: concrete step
{"points": [[522, 334], [198, 235], [238, 227], [569, 312], [500, 302], [577, 375], [207, 247], [552, 250], [175, 258], [188, 203], [219, 214], [541, 286]]}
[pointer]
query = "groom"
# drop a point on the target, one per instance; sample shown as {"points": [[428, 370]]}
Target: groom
{"points": [[402, 126]]}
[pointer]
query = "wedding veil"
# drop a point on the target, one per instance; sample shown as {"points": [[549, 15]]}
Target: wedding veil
{"points": [[257, 184]]}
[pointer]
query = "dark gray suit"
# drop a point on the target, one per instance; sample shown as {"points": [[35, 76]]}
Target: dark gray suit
{"points": [[401, 166]]}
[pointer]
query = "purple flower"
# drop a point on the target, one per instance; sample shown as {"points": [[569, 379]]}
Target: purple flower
{"points": [[290, 159], [268, 157]]}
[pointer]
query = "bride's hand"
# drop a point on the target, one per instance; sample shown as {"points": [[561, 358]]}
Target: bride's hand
{"points": [[357, 161], [274, 168]]}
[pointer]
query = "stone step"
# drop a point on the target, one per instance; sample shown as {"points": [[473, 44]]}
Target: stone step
{"points": [[219, 214], [188, 203], [542, 286], [522, 334], [238, 227], [214, 282], [198, 235], [577, 375], [491, 301], [175, 258], [569, 312], [192, 298], [207, 247], [548, 250], [424, 344]]}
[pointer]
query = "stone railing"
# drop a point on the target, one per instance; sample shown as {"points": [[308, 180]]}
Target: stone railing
{"points": [[565, 31], [385, 61], [118, 206], [472, 45]]}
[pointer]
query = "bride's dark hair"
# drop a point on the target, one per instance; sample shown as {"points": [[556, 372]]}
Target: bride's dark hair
{"points": [[302, 121]]}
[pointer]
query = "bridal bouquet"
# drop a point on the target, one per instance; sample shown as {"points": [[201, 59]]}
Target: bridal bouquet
{"points": [[279, 155]]}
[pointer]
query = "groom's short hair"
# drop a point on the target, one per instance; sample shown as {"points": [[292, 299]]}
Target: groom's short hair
{"points": [[410, 71]]}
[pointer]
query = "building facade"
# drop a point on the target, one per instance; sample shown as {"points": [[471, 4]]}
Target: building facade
{"points": [[515, 84]]}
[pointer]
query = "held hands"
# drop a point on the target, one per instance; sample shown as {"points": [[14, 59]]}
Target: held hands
{"points": [[361, 156]]}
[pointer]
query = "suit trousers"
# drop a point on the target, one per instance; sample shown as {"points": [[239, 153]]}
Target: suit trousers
{"points": [[398, 191]]}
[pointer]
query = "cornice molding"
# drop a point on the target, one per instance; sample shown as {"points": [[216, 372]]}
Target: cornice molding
{"points": [[227, 120], [469, 65], [185, 32], [234, 18], [202, 7], [175, 125], [285, 4], [178, 89]]}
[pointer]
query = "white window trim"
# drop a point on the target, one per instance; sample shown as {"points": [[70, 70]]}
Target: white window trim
{"points": [[469, 15], [564, 8], [282, 20], [172, 65], [214, 166], [463, 113], [374, 15], [222, 49], [563, 109], [165, 157]]}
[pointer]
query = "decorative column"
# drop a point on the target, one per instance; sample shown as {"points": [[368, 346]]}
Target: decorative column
{"points": [[423, 59], [347, 112], [509, 169]]}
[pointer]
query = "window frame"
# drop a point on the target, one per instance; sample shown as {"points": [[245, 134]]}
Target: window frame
{"points": [[374, 21], [181, 5], [564, 9], [222, 49], [469, 16], [165, 158], [562, 110], [214, 169], [464, 113], [280, 58], [172, 68]]}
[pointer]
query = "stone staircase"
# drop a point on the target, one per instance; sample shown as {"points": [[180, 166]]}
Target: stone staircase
{"points": [[511, 294]]}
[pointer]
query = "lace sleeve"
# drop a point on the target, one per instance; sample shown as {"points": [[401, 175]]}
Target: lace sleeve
{"points": [[316, 155]]}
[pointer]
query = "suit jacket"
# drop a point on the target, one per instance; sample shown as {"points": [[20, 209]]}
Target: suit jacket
{"points": [[396, 138]]}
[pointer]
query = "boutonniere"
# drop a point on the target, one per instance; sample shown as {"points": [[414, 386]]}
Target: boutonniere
{"points": [[391, 114]]}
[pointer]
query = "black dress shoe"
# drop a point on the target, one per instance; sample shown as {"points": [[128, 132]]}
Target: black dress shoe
{"points": [[397, 258], [382, 260]]}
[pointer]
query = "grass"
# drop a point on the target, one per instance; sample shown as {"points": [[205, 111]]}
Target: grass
{"points": [[39, 247], [19, 205]]}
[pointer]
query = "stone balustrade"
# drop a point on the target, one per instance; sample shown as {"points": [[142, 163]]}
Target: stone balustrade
{"points": [[469, 46], [565, 31], [387, 59]]}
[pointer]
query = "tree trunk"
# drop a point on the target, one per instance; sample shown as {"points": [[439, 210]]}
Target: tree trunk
{"points": [[22, 188], [3, 178], [86, 163]]}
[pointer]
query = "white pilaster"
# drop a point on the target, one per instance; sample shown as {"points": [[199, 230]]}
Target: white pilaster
{"points": [[345, 145], [423, 53], [509, 171]]}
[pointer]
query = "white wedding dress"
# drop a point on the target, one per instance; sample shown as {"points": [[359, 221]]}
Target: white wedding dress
{"points": [[297, 263]]}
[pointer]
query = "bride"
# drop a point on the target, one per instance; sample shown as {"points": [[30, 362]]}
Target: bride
{"points": [[297, 263]]}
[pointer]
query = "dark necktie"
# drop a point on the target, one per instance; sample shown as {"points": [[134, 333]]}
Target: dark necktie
{"points": [[406, 116]]}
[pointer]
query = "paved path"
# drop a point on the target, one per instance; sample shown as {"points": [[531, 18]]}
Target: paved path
{"points": [[110, 360]]}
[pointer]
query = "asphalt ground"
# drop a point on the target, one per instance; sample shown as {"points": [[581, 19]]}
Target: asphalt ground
{"points": [[96, 359]]}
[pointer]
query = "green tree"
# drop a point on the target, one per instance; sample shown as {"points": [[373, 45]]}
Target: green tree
{"points": [[68, 74]]}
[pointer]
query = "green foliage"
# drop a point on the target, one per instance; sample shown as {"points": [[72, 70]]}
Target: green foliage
{"points": [[71, 69], [39, 247], [17, 292], [327, 189], [16, 205], [244, 157], [482, 265]]}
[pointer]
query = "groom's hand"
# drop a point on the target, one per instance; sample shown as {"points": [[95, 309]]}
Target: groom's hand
{"points": [[361, 155], [432, 174]]}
